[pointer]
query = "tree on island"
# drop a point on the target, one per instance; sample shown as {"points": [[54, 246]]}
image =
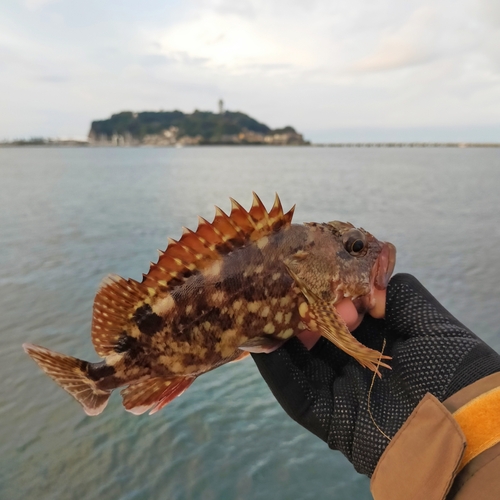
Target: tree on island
{"points": [[201, 127]]}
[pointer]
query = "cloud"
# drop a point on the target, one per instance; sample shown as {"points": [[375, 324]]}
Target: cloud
{"points": [[37, 4], [489, 11], [393, 53], [316, 65], [413, 43], [234, 44]]}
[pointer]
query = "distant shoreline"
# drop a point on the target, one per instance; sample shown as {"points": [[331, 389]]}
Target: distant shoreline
{"points": [[409, 145], [72, 144]]}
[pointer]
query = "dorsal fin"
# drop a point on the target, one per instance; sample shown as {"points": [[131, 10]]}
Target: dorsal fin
{"points": [[118, 299], [198, 249], [113, 303]]}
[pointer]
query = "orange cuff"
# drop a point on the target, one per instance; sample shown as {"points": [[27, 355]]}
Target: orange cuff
{"points": [[479, 420]]}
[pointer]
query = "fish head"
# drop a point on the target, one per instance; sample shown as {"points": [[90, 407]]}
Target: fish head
{"points": [[345, 262], [362, 262]]}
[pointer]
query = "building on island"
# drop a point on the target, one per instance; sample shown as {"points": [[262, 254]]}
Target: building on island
{"points": [[174, 128]]}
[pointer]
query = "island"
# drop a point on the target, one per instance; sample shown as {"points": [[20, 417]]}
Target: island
{"points": [[175, 128]]}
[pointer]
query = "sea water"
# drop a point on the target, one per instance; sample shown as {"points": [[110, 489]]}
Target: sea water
{"points": [[69, 217]]}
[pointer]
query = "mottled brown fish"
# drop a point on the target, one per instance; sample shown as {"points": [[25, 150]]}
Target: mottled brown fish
{"points": [[246, 282]]}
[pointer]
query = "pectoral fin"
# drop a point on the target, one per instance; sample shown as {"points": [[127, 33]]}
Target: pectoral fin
{"points": [[243, 355], [308, 293], [261, 344], [322, 316]]}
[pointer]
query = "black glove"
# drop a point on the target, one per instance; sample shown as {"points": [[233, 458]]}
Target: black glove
{"points": [[327, 391]]}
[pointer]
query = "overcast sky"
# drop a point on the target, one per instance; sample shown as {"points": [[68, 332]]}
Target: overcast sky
{"points": [[334, 69]]}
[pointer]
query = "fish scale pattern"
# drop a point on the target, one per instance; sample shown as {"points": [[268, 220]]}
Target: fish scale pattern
{"points": [[327, 392]]}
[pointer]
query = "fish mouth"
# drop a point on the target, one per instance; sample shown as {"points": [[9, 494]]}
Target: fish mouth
{"points": [[379, 278], [384, 266]]}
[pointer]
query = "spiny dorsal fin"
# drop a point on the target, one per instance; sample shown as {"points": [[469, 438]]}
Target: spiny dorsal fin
{"points": [[118, 299], [198, 249], [277, 210], [259, 213]]}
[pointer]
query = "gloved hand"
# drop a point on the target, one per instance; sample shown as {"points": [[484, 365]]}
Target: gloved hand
{"points": [[328, 392]]}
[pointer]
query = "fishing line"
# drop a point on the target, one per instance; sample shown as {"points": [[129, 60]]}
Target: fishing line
{"points": [[370, 394]]}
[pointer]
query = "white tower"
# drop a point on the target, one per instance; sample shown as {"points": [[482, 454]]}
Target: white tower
{"points": [[221, 106]]}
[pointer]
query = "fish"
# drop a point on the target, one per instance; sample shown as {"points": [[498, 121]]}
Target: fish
{"points": [[244, 283]]}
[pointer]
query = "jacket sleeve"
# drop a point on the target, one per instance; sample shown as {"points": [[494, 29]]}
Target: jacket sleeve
{"points": [[448, 450]]}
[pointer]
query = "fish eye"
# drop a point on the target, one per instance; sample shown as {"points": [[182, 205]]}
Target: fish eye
{"points": [[354, 242]]}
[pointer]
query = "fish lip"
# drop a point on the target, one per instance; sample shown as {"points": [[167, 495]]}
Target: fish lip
{"points": [[379, 278], [384, 266]]}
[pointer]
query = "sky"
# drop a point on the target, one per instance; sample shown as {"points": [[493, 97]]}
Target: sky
{"points": [[336, 70]]}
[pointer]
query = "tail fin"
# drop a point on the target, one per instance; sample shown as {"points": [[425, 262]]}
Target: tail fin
{"points": [[71, 374]]}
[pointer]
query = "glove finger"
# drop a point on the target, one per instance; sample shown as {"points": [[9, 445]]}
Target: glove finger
{"points": [[412, 311], [330, 354], [299, 382], [435, 352], [293, 360]]}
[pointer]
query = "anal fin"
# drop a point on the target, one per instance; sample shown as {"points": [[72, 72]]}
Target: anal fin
{"points": [[153, 393]]}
